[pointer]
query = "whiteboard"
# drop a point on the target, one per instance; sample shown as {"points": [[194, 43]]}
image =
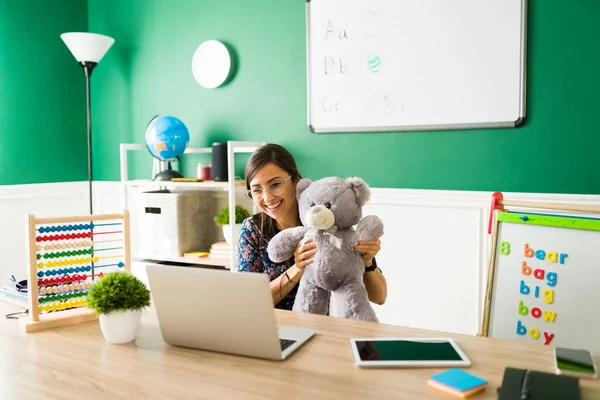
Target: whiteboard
{"points": [[400, 65], [568, 296]]}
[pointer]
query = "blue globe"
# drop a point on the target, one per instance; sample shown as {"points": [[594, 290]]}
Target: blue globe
{"points": [[167, 137]]}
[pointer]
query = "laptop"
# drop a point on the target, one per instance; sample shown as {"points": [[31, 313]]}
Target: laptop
{"points": [[221, 311]]}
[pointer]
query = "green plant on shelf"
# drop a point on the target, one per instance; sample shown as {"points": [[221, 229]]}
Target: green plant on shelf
{"points": [[116, 292], [240, 215]]}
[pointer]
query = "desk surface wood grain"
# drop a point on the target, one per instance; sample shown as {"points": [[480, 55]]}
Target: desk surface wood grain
{"points": [[75, 362]]}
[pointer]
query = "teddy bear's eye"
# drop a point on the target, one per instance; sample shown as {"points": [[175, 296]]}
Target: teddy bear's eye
{"points": [[328, 205]]}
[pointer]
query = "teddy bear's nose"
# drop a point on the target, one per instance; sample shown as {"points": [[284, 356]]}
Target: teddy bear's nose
{"points": [[317, 209]]}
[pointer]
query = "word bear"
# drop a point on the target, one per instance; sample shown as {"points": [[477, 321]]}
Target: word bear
{"points": [[529, 252], [551, 256]]}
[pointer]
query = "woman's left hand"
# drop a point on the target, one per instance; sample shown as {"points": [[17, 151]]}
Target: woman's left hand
{"points": [[369, 249]]}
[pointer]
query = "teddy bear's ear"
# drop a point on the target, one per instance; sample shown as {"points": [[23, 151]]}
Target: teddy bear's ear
{"points": [[361, 190], [301, 186]]}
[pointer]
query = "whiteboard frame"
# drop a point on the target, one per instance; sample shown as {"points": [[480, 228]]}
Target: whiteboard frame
{"points": [[485, 321], [411, 128]]}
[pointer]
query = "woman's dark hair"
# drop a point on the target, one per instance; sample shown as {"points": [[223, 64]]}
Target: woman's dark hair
{"points": [[269, 154]]}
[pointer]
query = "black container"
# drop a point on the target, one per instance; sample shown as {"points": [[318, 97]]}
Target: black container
{"points": [[219, 162]]}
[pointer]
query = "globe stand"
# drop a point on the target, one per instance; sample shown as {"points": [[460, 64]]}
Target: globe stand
{"points": [[167, 174]]}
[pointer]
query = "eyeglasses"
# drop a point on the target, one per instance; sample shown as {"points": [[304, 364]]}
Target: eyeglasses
{"points": [[275, 188]]}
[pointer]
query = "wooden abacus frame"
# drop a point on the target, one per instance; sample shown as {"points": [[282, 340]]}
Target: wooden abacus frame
{"points": [[35, 321]]}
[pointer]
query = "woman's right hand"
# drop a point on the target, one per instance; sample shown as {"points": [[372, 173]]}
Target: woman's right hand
{"points": [[305, 252]]}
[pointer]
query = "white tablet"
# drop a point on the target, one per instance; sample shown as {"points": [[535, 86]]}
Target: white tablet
{"points": [[407, 352]]}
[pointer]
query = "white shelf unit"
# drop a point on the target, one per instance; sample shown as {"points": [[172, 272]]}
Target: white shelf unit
{"points": [[231, 186]]}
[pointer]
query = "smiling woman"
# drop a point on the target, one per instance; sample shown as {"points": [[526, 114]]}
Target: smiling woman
{"points": [[271, 179]]}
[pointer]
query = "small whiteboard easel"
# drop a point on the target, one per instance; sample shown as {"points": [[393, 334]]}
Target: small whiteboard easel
{"points": [[544, 275]]}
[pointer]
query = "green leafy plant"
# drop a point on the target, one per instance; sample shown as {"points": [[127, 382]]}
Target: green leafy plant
{"points": [[240, 215], [118, 291]]}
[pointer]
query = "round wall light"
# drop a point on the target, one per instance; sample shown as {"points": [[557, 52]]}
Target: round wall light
{"points": [[211, 64]]}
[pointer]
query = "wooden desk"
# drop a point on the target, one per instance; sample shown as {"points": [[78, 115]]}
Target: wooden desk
{"points": [[75, 362]]}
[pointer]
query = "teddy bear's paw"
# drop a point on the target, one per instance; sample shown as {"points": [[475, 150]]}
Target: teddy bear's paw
{"points": [[369, 228]]}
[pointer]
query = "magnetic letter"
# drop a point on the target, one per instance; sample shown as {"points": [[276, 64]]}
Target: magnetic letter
{"points": [[534, 333], [537, 291], [504, 248], [551, 276], [548, 296], [525, 269], [528, 251], [540, 254], [521, 330], [539, 273], [536, 312], [524, 289], [548, 337], [552, 256], [522, 308], [562, 258], [549, 316]]}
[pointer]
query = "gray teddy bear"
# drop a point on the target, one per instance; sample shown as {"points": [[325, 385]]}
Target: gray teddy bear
{"points": [[329, 208]]}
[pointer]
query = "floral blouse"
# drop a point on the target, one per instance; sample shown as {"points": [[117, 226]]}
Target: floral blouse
{"points": [[252, 256]]}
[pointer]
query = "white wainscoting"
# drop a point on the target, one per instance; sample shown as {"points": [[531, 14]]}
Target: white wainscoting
{"points": [[433, 257], [435, 254], [42, 200], [434, 250]]}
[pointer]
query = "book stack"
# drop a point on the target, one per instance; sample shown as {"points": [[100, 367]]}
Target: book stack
{"points": [[196, 254], [220, 250], [457, 383], [9, 294]]}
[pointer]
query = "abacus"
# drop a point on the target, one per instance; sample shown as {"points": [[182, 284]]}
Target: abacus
{"points": [[65, 256]]}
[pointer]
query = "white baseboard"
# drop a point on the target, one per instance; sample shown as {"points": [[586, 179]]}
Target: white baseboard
{"points": [[434, 250]]}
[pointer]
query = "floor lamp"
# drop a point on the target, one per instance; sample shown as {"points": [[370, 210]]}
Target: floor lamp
{"points": [[88, 49]]}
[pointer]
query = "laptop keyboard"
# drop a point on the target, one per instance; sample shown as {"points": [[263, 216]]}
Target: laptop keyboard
{"points": [[285, 343]]}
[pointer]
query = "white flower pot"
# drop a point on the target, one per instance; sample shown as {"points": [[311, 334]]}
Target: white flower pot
{"points": [[236, 233], [120, 327]]}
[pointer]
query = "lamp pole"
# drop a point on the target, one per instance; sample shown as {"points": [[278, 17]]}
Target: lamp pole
{"points": [[88, 49], [88, 66]]}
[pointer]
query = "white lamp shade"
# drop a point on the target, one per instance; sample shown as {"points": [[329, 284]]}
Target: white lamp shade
{"points": [[84, 46]]}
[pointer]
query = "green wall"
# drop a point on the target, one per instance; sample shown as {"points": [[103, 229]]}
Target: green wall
{"points": [[42, 93], [148, 72]]}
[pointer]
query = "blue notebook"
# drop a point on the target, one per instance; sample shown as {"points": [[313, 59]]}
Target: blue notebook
{"points": [[458, 380]]}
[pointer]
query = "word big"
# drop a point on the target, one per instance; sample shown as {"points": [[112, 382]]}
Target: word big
{"points": [[548, 293]]}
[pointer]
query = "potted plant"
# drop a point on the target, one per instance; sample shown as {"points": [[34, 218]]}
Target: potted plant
{"points": [[118, 298], [223, 220]]}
